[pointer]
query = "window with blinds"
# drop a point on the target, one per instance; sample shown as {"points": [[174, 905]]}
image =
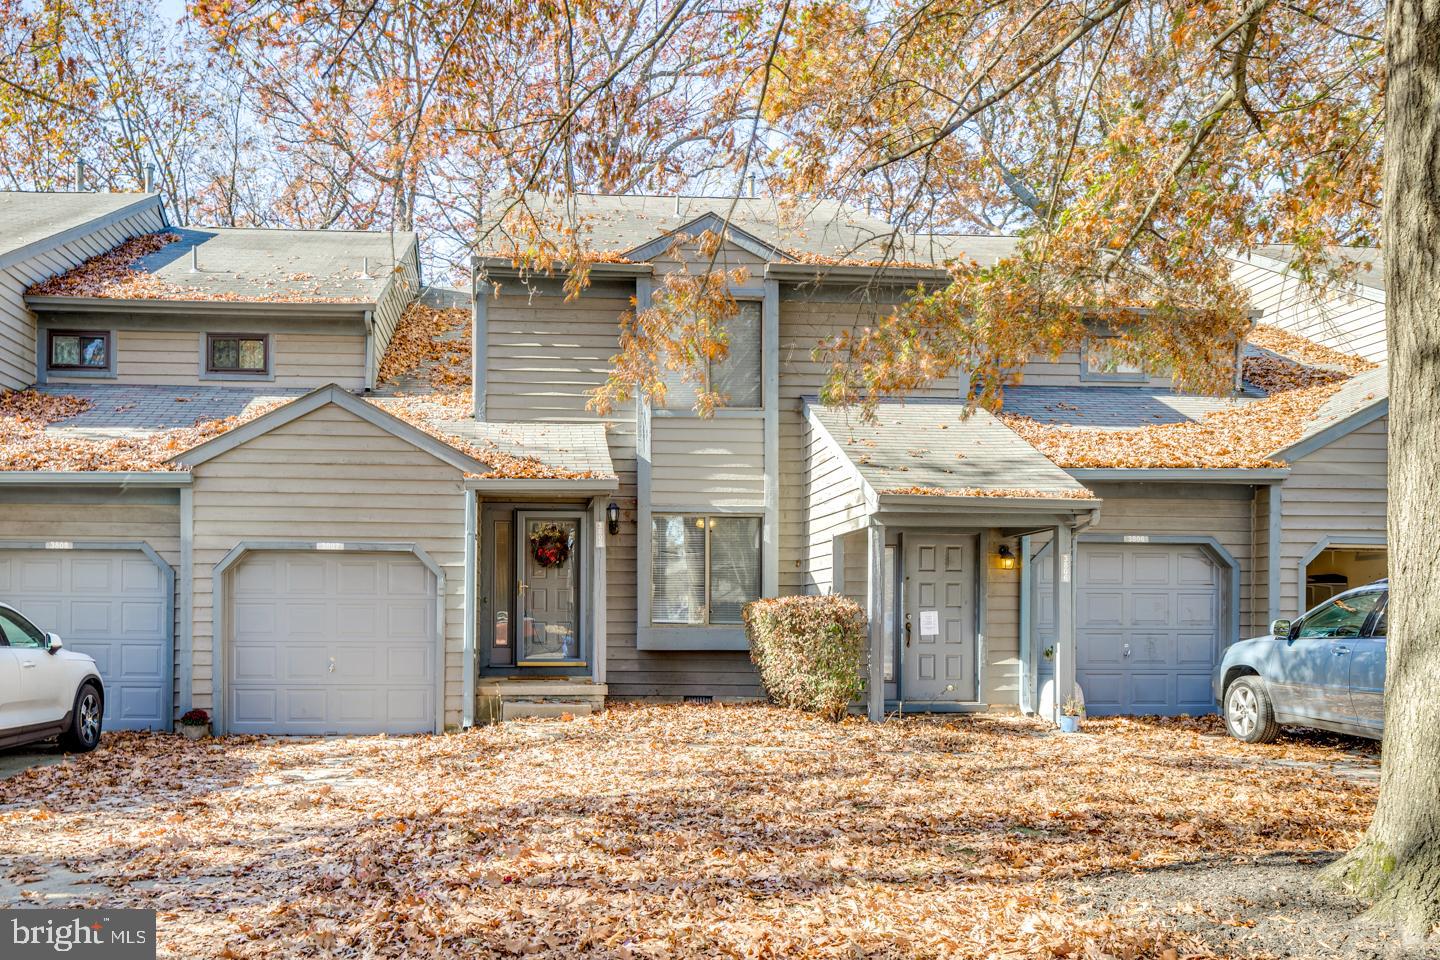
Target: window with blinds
{"points": [[703, 569], [737, 376]]}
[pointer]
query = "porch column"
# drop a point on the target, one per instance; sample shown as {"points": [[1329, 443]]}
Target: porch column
{"points": [[597, 590], [467, 653], [1064, 601], [875, 604]]}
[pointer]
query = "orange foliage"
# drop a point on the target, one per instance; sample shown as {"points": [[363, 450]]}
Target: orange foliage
{"points": [[1081, 494]]}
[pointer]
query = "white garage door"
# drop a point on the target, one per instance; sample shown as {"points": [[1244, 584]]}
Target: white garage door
{"points": [[1147, 628], [326, 643], [111, 604]]}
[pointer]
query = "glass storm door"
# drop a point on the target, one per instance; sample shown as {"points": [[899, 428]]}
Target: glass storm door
{"points": [[548, 591]]}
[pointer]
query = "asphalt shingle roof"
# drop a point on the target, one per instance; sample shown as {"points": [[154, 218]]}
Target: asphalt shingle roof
{"points": [[572, 447], [1115, 408], [824, 228], [27, 218], [120, 410], [1360, 391], [939, 444]]}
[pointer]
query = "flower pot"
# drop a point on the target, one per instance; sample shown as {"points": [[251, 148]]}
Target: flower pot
{"points": [[194, 731], [1069, 724]]}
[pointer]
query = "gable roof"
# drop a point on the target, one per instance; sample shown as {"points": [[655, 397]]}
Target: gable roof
{"points": [[314, 400], [1363, 399], [31, 223], [940, 447]]}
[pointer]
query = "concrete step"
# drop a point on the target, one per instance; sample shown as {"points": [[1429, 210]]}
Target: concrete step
{"points": [[517, 709]]}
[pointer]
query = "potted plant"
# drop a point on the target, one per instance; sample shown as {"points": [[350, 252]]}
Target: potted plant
{"points": [[1070, 715], [195, 724]]}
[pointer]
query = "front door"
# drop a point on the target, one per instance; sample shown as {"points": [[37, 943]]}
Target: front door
{"points": [[938, 647], [548, 560]]}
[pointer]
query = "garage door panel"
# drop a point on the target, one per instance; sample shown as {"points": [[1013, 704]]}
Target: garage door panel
{"points": [[352, 655], [1159, 625], [251, 707], [111, 605]]}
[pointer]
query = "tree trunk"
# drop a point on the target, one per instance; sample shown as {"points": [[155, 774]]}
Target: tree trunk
{"points": [[1397, 864]]}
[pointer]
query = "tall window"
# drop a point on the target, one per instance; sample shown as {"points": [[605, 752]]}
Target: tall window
{"points": [[1103, 361], [737, 376], [79, 350], [236, 353], [703, 569]]}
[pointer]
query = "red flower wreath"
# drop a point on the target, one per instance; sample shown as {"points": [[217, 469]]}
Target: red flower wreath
{"points": [[550, 545]]}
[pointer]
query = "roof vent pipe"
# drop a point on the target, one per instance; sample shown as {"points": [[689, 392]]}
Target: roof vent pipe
{"points": [[677, 204], [195, 259], [752, 185], [79, 175], [149, 178], [365, 270]]}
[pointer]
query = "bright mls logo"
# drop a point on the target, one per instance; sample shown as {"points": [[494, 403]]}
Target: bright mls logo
{"points": [[77, 934]]}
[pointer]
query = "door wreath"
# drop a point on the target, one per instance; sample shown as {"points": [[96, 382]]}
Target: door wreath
{"points": [[550, 545]]}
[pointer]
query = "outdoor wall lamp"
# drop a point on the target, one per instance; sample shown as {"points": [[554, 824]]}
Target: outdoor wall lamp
{"points": [[612, 519], [1007, 559]]}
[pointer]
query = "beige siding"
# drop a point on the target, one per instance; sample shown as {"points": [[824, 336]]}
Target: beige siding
{"points": [[1337, 491], [716, 462], [403, 288], [1065, 371], [173, 357], [17, 323], [804, 324], [1352, 321], [1259, 612], [1224, 512], [834, 507], [151, 517], [329, 476], [1000, 668]]}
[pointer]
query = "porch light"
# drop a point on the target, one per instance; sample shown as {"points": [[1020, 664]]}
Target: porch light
{"points": [[1006, 558], [612, 519]]}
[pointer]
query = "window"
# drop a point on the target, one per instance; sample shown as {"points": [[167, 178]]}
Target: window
{"points": [[703, 569], [737, 376], [1379, 630], [1103, 361], [1341, 618], [19, 632], [79, 350], [236, 353]]}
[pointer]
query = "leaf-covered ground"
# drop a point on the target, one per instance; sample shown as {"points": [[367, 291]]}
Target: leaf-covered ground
{"points": [[671, 831]]}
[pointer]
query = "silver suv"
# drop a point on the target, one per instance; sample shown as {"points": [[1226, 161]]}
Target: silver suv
{"points": [[1325, 670]]}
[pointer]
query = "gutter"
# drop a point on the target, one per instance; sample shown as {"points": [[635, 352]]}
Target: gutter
{"points": [[94, 478], [505, 268], [578, 487], [1076, 505], [821, 273], [267, 307], [1089, 475]]}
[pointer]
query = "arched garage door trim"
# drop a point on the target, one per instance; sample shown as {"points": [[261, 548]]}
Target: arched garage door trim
{"points": [[167, 576], [1228, 627], [244, 547]]}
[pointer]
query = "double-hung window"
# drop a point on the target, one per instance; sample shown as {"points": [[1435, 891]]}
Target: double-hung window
{"points": [[737, 375], [79, 350], [1104, 361], [703, 568], [237, 353]]}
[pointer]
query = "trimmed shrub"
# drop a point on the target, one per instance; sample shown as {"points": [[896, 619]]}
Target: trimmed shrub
{"points": [[808, 651]]}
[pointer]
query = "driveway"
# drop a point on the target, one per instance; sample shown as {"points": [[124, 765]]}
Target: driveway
{"points": [[684, 831], [19, 759]]}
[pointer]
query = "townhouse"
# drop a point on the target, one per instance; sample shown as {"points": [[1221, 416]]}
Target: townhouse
{"points": [[219, 484]]}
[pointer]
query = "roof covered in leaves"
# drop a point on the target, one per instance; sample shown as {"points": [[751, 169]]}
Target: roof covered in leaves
{"points": [[239, 265], [941, 446], [822, 230], [1359, 393], [28, 219]]}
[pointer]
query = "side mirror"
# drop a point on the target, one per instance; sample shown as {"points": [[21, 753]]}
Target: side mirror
{"points": [[1280, 628], [53, 642]]}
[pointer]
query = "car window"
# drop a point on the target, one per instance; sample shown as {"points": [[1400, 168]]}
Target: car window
{"points": [[1343, 617], [20, 632], [1378, 631]]}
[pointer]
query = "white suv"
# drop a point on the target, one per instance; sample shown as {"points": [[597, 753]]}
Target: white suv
{"points": [[45, 690]]}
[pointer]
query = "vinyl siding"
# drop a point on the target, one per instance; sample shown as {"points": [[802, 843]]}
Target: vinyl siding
{"points": [[1224, 512], [151, 517], [1000, 663], [329, 476], [17, 323], [403, 288], [1352, 321], [174, 358], [834, 507], [717, 462], [1337, 491]]}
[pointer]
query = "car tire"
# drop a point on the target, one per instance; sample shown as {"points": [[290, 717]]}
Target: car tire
{"points": [[85, 719], [1249, 715]]}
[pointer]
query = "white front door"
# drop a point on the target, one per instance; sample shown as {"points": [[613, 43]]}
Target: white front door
{"points": [[938, 640], [44, 690]]}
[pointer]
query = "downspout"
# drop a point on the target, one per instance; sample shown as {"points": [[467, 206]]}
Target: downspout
{"points": [[369, 350]]}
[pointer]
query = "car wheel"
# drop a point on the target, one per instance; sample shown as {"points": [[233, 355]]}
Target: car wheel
{"points": [[1249, 715], [84, 733]]}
